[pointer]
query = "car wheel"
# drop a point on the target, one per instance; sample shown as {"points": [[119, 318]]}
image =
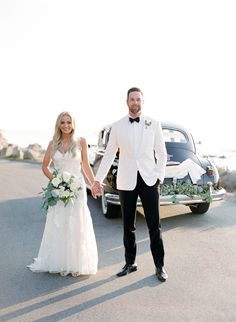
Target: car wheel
{"points": [[200, 208], [109, 210]]}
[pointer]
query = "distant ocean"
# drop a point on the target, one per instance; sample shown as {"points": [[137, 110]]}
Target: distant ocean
{"points": [[221, 155], [224, 157]]}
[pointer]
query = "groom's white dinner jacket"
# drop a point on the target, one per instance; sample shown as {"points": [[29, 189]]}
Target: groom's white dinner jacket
{"points": [[141, 148]]}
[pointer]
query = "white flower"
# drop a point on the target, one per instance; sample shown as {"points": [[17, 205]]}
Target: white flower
{"points": [[66, 176], [74, 186], [65, 194], [56, 181], [62, 187]]}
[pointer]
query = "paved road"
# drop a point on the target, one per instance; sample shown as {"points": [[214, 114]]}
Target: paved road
{"points": [[200, 259]]}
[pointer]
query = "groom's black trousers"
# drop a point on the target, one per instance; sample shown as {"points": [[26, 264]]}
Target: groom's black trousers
{"points": [[149, 196]]}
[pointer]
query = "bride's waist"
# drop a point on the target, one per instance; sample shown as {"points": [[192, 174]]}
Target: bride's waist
{"points": [[72, 171]]}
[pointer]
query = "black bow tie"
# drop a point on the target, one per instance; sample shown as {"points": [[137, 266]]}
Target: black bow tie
{"points": [[137, 119]]}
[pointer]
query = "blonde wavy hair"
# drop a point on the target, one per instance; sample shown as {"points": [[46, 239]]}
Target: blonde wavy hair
{"points": [[57, 137]]}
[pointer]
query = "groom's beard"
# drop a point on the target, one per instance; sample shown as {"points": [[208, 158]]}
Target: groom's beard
{"points": [[135, 110]]}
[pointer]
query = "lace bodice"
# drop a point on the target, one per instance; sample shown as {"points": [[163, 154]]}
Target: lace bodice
{"points": [[66, 162]]}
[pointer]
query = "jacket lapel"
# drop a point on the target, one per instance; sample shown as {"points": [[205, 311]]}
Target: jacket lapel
{"points": [[126, 134], [143, 139], [146, 132]]}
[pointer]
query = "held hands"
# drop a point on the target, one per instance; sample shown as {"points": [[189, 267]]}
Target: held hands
{"points": [[96, 189]]}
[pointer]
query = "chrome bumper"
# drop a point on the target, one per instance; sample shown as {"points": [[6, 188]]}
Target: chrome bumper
{"points": [[216, 195]]}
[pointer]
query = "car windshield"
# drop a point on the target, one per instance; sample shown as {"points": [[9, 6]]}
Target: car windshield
{"points": [[171, 135], [103, 138]]}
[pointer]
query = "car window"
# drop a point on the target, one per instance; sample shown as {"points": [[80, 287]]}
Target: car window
{"points": [[171, 135], [103, 138]]}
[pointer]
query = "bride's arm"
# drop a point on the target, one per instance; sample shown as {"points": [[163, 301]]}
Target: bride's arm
{"points": [[47, 160], [85, 162]]}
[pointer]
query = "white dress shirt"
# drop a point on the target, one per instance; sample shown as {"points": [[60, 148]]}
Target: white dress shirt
{"points": [[136, 133]]}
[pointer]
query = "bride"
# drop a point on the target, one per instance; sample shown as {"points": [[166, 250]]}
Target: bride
{"points": [[68, 244]]}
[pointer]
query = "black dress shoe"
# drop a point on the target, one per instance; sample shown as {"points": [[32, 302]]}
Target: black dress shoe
{"points": [[161, 274], [128, 268]]}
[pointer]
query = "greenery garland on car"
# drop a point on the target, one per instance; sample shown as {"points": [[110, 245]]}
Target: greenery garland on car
{"points": [[186, 188], [179, 188]]}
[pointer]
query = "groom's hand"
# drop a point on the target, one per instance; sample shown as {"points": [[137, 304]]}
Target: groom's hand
{"points": [[96, 189]]}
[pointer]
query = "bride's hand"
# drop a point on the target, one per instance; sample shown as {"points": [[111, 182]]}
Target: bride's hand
{"points": [[97, 189]]}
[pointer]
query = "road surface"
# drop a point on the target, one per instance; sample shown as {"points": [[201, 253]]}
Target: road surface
{"points": [[200, 260]]}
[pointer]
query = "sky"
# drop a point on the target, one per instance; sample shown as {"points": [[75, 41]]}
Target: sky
{"points": [[83, 56]]}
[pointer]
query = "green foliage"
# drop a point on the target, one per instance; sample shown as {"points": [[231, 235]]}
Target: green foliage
{"points": [[62, 187], [186, 188]]}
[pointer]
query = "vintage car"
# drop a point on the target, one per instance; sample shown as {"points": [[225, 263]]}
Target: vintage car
{"points": [[190, 179]]}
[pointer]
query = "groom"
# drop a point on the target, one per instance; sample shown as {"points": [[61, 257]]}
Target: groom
{"points": [[142, 160]]}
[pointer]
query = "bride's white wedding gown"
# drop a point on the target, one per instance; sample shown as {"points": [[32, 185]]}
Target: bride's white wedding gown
{"points": [[68, 244]]}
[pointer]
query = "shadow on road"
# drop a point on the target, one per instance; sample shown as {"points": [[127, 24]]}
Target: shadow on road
{"points": [[22, 226], [40, 302]]}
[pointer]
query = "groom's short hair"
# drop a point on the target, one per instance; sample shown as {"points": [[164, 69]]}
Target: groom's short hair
{"points": [[134, 89]]}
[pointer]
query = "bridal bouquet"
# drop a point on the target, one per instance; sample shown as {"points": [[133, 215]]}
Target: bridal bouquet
{"points": [[62, 187]]}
